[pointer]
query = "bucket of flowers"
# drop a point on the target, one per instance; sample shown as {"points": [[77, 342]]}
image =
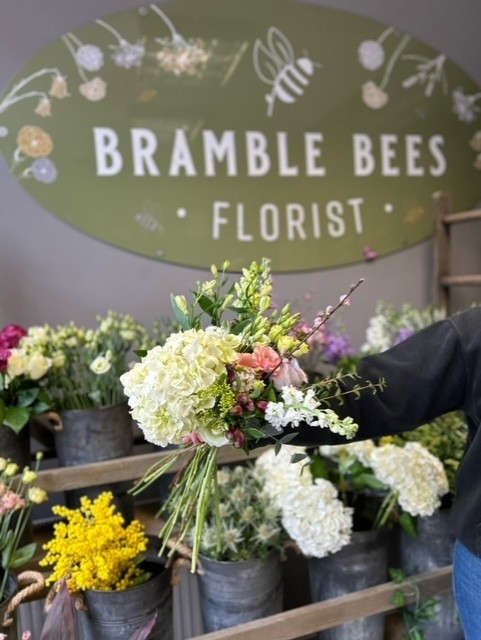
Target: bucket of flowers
{"points": [[229, 377], [104, 584], [23, 372], [19, 494]]}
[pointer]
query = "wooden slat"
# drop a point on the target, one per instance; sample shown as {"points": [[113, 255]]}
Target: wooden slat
{"points": [[462, 216], [443, 279], [307, 620], [121, 469], [453, 281], [441, 253]]}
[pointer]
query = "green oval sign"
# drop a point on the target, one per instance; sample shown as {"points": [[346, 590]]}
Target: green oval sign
{"points": [[202, 130]]}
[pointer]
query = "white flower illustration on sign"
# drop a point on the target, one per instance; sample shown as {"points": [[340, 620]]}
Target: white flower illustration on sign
{"points": [[178, 55], [371, 53], [276, 65], [125, 54], [87, 57], [464, 106], [371, 56]]}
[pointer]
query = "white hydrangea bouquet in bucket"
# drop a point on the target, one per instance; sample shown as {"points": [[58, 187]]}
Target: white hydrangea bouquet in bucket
{"points": [[228, 377]]}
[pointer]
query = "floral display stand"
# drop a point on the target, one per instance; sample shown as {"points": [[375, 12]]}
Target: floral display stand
{"points": [[290, 624]]}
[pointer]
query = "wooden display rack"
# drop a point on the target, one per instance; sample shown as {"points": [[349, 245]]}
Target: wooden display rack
{"points": [[300, 622]]}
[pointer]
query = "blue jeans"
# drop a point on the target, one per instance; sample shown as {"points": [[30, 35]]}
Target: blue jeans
{"points": [[467, 590]]}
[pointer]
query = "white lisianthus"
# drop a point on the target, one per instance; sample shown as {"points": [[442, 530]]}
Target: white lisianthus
{"points": [[100, 365], [173, 387]]}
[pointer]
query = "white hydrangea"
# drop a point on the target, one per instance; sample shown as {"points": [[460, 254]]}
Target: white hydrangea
{"points": [[361, 451], [315, 517], [280, 474], [165, 389], [414, 473], [312, 513]]}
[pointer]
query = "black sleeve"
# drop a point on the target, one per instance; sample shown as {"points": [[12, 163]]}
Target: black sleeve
{"points": [[425, 377]]}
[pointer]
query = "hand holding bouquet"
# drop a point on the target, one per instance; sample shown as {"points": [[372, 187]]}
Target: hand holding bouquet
{"points": [[230, 376]]}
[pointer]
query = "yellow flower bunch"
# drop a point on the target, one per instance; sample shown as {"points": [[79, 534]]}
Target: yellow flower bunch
{"points": [[92, 548]]}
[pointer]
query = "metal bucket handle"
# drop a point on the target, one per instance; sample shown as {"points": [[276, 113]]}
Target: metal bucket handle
{"points": [[54, 420]]}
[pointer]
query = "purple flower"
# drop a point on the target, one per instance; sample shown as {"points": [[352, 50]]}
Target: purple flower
{"points": [[44, 170], [337, 346], [404, 332]]}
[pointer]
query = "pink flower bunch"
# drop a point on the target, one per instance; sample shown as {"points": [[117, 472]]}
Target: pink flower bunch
{"points": [[10, 337]]}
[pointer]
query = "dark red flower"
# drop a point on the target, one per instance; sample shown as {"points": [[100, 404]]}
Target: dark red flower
{"points": [[4, 356], [10, 336]]}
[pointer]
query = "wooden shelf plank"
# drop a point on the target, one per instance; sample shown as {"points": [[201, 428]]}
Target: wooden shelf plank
{"points": [[303, 621]]}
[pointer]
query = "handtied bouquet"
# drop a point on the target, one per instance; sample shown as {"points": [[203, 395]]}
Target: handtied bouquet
{"points": [[230, 376]]}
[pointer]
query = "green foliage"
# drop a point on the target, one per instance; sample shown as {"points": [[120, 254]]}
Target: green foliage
{"points": [[414, 611]]}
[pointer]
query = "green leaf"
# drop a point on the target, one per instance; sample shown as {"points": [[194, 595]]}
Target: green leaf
{"points": [[297, 457], [22, 555], [207, 305], [41, 407], [16, 418], [255, 433], [287, 438], [409, 524], [3, 410], [398, 598], [240, 326], [27, 397], [319, 468], [397, 575]]}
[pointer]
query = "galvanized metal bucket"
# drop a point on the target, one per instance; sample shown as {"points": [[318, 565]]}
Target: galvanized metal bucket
{"points": [[359, 565], [233, 593], [433, 548], [117, 615], [93, 435], [15, 446]]}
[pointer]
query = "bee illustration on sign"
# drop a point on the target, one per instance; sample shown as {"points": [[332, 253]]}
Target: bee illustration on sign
{"points": [[276, 64]]}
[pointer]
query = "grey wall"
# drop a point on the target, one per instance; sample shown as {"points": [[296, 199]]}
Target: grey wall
{"points": [[52, 273]]}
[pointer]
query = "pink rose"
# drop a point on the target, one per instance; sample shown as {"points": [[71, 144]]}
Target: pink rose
{"points": [[10, 336], [288, 374]]}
